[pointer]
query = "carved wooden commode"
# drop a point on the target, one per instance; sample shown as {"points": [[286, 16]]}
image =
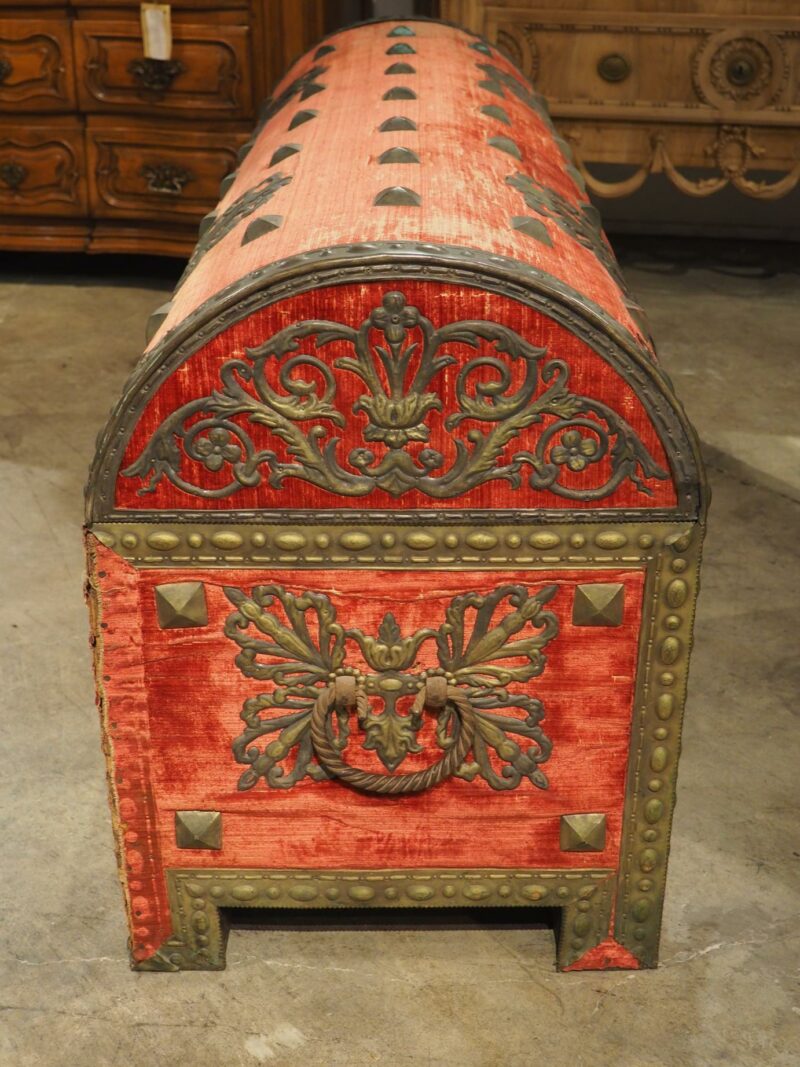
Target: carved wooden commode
{"points": [[393, 537]]}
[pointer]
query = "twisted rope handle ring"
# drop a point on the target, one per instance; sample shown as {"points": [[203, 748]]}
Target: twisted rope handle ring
{"points": [[435, 693]]}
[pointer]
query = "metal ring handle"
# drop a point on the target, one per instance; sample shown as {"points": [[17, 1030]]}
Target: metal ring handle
{"points": [[391, 784]]}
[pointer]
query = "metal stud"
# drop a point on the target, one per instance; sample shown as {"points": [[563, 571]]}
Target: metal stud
{"points": [[226, 183], [479, 46], [324, 50], [494, 111], [155, 320], [401, 49], [400, 92], [284, 152], [259, 227], [301, 117], [583, 833], [493, 87], [206, 223], [244, 151], [397, 196], [181, 605], [532, 228], [398, 155], [599, 604], [310, 90], [505, 144], [400, 68], [198, 829], [401, 31], [397, 122]]}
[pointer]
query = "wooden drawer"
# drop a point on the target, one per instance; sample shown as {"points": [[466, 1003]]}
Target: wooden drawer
{"points": [[157, 173], [36, 70], [208, 74], [42, 170], [695, 67]]}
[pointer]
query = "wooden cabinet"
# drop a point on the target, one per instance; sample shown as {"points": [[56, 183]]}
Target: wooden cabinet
{"points": [[104, 149], [664, 85]]}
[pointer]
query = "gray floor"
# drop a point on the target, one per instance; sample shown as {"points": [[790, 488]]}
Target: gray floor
{"points": [[726, 992]]}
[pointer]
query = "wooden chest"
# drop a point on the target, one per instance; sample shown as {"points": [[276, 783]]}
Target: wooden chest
{"points": [[393, 536]]}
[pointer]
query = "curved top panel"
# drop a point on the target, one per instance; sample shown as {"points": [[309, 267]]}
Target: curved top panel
{"points": [[399, 176], [444, 142]]}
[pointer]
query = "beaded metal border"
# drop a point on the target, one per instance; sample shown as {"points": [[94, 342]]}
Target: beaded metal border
{"points": [[200, 931]]}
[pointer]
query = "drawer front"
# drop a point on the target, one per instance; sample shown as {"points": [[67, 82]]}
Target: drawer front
{"points": [[148, 173], [693, 67], [36, 70], [42, 171], [209, 72]]}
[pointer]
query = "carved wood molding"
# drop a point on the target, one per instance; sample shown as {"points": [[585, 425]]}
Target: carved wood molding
{"points": [[732, 154], [63, 173], [50, 78]]}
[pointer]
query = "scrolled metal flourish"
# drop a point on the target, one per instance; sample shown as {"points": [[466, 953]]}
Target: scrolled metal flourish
{"points": [[398, 370], [486, 643]]}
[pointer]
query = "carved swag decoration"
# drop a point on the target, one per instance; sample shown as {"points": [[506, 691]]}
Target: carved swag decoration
{"points": [[397, 354], [485, 644]]}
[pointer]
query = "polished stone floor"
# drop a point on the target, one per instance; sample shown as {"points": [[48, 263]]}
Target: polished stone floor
{"points": [[471, 994]]}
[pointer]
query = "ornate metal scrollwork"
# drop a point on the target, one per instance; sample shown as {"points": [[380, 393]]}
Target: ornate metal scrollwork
{"points": [[398, 369], [485, 644], [166, 178], [155, 75]]}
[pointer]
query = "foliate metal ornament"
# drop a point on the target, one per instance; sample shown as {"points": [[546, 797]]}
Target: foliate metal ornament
{"points": [[155, 76], [181, 605], [583, 833], [198, 939], [396, 412], [168, 178], [599, 604], [304, 654], [198, 829]]}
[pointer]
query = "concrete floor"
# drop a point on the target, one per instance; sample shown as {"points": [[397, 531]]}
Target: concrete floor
{"points": [[476, 996]]}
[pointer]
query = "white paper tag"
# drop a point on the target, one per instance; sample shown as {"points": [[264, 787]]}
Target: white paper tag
{"points": [[156, 31]]}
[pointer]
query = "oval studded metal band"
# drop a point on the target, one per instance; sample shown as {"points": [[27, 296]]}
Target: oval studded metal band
{"points": [[432, 695]]}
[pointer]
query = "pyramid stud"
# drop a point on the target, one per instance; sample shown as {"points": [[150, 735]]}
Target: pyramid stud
{"points": [[599, 604], [397, 122], [531, 228], [181, 605], [400, 68], [400, 92], [401, 31], [397, 196], [198, 829], [583, 833], [398, 155], [401, 49], [505, 144], [301, 117], [284, 152], [258, 227], [494, 111], [324, 50]]}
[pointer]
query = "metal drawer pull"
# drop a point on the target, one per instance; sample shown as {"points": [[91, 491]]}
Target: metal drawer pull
{"points": [[166, 178], [155, 75], [13, 175], [6, 68], [350, 695], [613, 67]]}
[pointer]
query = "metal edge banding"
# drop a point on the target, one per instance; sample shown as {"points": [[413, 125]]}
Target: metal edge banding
{"points": [[199, 935], [334, 545], [663, 664], [392, 261]]}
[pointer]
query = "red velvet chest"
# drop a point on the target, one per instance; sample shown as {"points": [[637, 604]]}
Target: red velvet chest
{"points": [[393, 537]]}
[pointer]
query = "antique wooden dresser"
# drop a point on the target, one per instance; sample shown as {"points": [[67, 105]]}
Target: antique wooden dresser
{"points": [[393, 537], [664, 86], [105, 149]]}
